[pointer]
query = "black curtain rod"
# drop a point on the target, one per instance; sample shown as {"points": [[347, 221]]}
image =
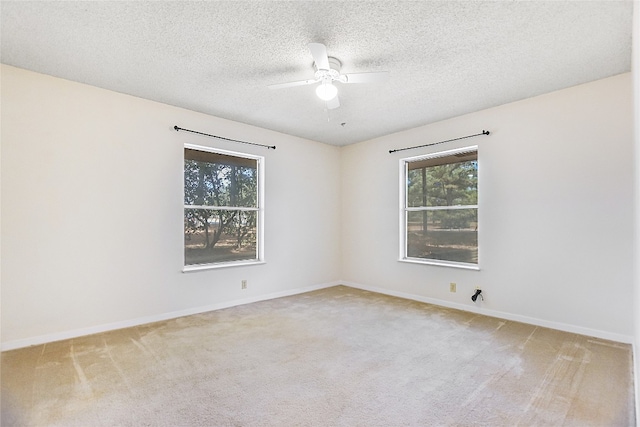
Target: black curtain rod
{"points": [[484, 132], [226, 139]]}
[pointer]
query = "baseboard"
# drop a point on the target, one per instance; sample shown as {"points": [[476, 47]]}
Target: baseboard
{"points": [[636, 380], [75, 333], [499, 314], [43, 339]]}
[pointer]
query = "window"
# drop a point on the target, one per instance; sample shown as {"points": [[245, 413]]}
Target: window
{"points": [[439, 208], [223, 208]]}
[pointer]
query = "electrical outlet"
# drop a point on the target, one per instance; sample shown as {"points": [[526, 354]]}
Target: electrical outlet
{"points": [[452, 287], [244, 284]]}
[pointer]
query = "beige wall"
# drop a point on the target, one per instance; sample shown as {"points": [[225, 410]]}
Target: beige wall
{"points": [[92, 211], [555, 211]]}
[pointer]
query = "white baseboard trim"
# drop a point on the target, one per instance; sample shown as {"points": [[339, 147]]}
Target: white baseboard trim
{"points": [[636, 380], [611, 336], [75, 333]]}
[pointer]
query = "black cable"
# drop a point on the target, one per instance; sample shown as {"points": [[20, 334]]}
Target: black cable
{"points": [[226, 139], [484, 132]]}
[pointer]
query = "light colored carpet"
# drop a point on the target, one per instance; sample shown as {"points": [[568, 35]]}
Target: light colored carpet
{"points": [[334, 357]]}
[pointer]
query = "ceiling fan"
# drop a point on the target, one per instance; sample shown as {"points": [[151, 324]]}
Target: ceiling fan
{"points": [[328, 72]]}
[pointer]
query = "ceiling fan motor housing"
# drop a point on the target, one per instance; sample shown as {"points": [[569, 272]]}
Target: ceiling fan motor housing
{"points": [[329, 75]]}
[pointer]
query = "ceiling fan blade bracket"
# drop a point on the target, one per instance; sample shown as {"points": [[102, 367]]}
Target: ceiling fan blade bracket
{"points": [[320, 57]]}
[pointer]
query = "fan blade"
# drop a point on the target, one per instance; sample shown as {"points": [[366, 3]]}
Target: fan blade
{"points": [[319, 53], [333, 103], [374, 77], [292, 84]]}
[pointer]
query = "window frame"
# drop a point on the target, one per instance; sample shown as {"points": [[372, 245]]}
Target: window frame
{"points": [[259, 209], [405, 209]]}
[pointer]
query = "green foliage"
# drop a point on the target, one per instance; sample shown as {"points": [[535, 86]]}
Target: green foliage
{"points": [[458, 219], [450, 184], [217, 184], [220, 185], [446, 229]]}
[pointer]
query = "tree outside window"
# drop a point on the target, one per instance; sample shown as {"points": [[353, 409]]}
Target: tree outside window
{"points": [[441, 207], [221, 207]]}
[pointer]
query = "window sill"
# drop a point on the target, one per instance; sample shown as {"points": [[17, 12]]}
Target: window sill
{"points": [[200, 267], [438, 263]]}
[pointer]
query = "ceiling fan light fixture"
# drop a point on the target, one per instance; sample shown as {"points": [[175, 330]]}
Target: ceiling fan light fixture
{"points": [[327, 71], [326, 91]]}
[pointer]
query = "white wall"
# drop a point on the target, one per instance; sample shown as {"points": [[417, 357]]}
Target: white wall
{"points": [[635, 68], [555, 211], [92, 211]]}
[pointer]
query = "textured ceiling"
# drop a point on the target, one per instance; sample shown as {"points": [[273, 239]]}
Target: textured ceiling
{"points": [[444, 58]]}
